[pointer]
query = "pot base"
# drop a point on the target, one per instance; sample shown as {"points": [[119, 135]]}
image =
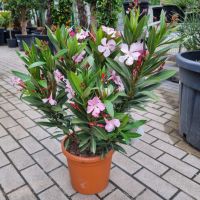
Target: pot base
{"points": [[88, 175]]}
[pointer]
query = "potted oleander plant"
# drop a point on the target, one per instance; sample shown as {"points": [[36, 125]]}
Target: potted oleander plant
{"points": [[87, 90]]}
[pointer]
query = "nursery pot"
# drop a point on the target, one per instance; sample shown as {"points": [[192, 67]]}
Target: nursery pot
{"points": [[89, 175], [2, 40], [170, 10], [12, 43], [189, 64], [156, 13], [26, 38]]}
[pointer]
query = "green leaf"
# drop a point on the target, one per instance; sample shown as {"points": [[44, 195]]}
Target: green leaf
{"points": [[93, 145], [109, 108], [130, 135], [84, 142], [60, 53], [134, 125], [100, 133], [36, 64], [23, 76], [43, 83]]}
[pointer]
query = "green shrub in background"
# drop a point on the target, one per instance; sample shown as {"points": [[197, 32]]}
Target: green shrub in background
{"points": [[155, 2], [61, 14], [5, 17]]}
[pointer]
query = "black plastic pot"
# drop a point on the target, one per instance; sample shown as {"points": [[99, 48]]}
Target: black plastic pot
{"points": [[189, 64], [171, 10], [28, 39], [2, 41], [156, 13], [12, 43], [46, 39], [6, 35]]}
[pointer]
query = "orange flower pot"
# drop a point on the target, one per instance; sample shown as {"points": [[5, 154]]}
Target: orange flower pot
{"points": [[88, 175]]}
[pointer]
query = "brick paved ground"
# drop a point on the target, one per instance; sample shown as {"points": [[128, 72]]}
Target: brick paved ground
{"points": [[158, 166]]}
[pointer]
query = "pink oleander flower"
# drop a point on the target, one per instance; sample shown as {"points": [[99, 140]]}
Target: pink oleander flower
{"points": [[131, 54], [82, 35], [117, 80], [111, 125], [107, 47], [77, 58], [17, 82], [58, 75], [95, 106], [50, 100], [109, 31], [69, 90], [71, 32]]}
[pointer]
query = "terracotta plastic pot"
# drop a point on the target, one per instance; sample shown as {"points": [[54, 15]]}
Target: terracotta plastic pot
{"points": [[88, 175]]}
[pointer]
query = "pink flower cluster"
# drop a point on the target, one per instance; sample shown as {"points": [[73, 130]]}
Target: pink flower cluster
{"points": [[58, 75], [107, 47], [131, 54], [95, 106], [117, 80], [69, 90], [82, 35], [17, 82], [50, 100], [77, 58], [109, 31]]}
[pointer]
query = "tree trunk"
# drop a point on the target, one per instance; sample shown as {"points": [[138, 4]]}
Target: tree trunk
{"points": [[93, 22], [82, 15], [24, 22], [49, 19]]}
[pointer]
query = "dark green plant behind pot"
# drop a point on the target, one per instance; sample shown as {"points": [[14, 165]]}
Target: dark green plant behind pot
{"points": [[28, 39]]}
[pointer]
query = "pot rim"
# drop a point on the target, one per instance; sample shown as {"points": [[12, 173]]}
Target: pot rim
{"points": [[188, 64], [83, 159]]}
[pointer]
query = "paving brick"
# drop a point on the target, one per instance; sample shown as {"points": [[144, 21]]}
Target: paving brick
{"points": [[160, 126], [52, 144], [156, 118], [168, 110], [156, 183], [146, 128], [38, 133], [117, 195], [189, 149], [153, 105], [107, 190], [148, 138], [174, 151], [3, 114], [129, 149], [178, 165], [192, 160], [20, 159], [148, 195], [7, 143], [149, 163], [16, 114], [62, 178], [2, 197], [2, 100], [18, 132], [52, 194], [36, 178], [125, 163], [30, 144], [8, 122], [10, 179], [182, 196], [7, 106], [3, 159], [33, 114], [185, 184], [171, 117], [148, 149], [22, 107], [62, 158], [126, 182], [3, 132], [163, 136], [165, 104], [26, 122], [23, 193], [15, 100], [172, 125], [154, 111], [46, 160], [197, 178], [84, 197]]}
